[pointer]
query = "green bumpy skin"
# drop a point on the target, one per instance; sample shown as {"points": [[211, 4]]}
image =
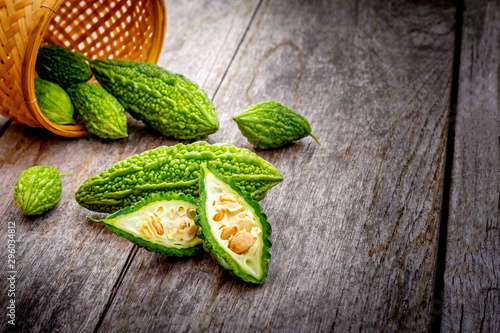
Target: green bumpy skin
{"points": [[38, 189], [166, 101], [102, 114], [54, 102], [175, 168], [270, 125], [217, 218], [139, 224], [62, 66]]}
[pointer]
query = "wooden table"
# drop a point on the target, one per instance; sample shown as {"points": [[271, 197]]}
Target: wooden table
{"points": [[392, 224]]}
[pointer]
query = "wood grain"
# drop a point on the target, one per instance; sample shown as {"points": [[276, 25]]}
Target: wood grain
{"points": [[67, 267], [355, 222], [203, 36], [472, 277]]}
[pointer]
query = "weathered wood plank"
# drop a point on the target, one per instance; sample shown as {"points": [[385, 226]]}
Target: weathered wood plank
{"points": [[355, 221], [202, 37], [67, 266], [4, 123], [472, 277]]}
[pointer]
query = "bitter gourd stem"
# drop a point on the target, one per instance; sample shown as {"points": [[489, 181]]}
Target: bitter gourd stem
{"points": [[315, 138], [94, 220]]}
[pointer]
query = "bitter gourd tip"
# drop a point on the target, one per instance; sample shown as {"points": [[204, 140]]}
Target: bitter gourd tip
{"points": [[94, 220], [67, 174], [315, 138], [86, 58]]}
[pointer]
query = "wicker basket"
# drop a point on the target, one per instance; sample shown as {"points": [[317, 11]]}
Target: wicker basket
{"points": [[119, 29]]}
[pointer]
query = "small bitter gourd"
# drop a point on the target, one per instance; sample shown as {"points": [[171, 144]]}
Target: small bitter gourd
{"points": [[235, 231], [165, 101], [175, 168], [62, 66], [161, 222], [269, 124], [38, 189], [102, 114], [54, 102]]}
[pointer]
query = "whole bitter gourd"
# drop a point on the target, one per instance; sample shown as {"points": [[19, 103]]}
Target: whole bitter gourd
{"points": [[102, 114], [38, 189], [235, 231], [62, 66], [54, 102], [269, 124], [165, 101], [175, 168], [161, 222]]}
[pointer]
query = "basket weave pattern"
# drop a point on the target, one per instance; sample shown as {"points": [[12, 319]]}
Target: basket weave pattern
{"points": [[104, 29], [119, 29]]}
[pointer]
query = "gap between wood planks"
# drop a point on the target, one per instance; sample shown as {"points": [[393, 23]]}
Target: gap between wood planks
{"points": [[238, 48], [445, 203], [117, 285], [135, 248]]}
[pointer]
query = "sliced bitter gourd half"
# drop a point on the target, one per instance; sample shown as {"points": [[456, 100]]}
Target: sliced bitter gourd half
{"points": [[161, 222], [236, 232]]}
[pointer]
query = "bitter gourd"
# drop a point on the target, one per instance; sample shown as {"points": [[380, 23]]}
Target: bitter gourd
{"points": [[235, 231], [54, 102], [38, 189], [269, 125], [62, 66], [102, 114], [175, 168], [165, 101], [161, 222]]}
